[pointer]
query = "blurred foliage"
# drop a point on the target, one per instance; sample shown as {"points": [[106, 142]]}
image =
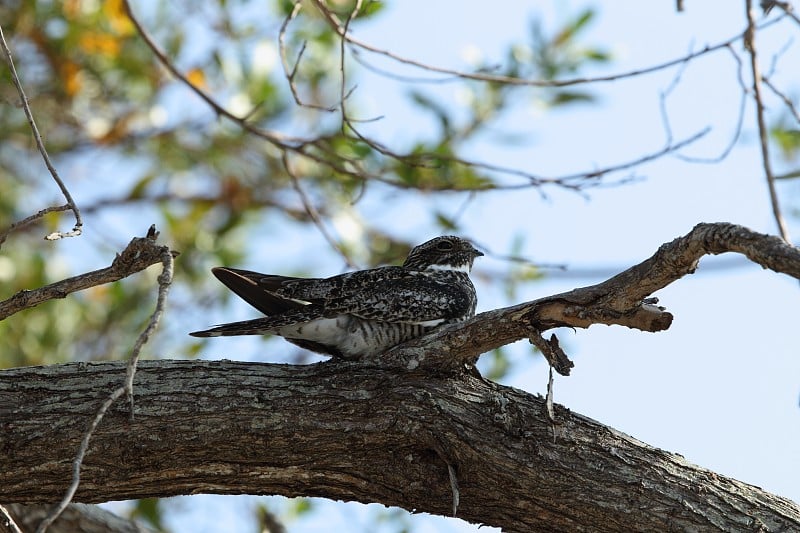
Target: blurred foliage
{"points": [[785, 135], [149, 511], [787, 138]]}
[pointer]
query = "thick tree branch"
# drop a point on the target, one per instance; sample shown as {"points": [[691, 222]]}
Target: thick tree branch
{"points": [[343, 430], [620, 300], [141, 253]]}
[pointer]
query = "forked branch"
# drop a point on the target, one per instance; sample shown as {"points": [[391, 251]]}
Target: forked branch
{"points": [[621, 300], [140, 253]]}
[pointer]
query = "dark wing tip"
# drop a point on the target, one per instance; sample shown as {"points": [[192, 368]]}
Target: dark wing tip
{"points": [[204, 333], [232, 275]]}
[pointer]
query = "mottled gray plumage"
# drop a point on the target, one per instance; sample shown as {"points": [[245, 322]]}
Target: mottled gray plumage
{"points": [[360, 313]]}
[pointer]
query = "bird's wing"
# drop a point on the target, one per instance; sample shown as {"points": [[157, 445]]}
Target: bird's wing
{"points": [[256, 289], [417, 299], [389, 294]]}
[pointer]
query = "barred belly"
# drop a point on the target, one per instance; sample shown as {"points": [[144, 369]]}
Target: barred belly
{"points": [[353, 337]]}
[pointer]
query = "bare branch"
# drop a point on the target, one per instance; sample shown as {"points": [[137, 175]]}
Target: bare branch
{"points": [[763, 132], [140, 253], [786, 100], [8, 520], [76, 230], [278, 139], [291, 72], [337, 26], [313, 213], [551, 350], [789, 175], [31, 219]]}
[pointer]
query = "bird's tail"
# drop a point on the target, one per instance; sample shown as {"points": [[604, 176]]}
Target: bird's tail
{"points": [[258, 326]]}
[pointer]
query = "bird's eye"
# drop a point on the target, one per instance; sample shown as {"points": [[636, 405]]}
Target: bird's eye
{"points": [[444, 246]]}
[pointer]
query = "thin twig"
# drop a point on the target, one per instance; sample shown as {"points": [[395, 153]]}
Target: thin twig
{"points": [[77, 229], [567, 178], [786, 100], [314, 214], [343, 94], [298, 145], [789, 175], [76, 464], [763, 132], [9, 520], [337, 26], [140, 253], [787, 9], [31, 219], [308, 147], [278, 139], [737, 131], [199, 199], [291, 72], [662, 100], [164, 283]]}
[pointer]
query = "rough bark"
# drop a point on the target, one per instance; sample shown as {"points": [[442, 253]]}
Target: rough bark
{"points": [[348, 432], [416, 427]]}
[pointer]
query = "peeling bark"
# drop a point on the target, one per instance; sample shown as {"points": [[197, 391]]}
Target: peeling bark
{"points": [[347, 432]]}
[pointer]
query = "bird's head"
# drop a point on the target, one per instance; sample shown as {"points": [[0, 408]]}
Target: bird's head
{"points": [[443, 253]]}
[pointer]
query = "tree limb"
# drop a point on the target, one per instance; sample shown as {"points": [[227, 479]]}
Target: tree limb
{"points": [[620, 300], [347, 431], [141, 252]]}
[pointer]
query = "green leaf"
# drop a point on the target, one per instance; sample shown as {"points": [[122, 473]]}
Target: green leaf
{"points": [[149, 510], [446, 223], [788, 141], [573, 28]]}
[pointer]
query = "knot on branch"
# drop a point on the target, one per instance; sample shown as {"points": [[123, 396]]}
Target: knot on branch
{"points": [[141, 253], [551, 350]]}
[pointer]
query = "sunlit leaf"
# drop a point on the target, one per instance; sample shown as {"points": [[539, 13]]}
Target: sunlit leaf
{"points": [[197, 78]]}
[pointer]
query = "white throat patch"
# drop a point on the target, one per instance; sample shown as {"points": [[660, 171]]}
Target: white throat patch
{"points": [[451, 268]]}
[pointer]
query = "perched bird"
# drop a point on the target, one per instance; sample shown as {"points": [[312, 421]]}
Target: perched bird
{"points": [[360, 313]]}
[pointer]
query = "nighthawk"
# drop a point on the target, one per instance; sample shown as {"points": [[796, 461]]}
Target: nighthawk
{"points": [[362, 313]]}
